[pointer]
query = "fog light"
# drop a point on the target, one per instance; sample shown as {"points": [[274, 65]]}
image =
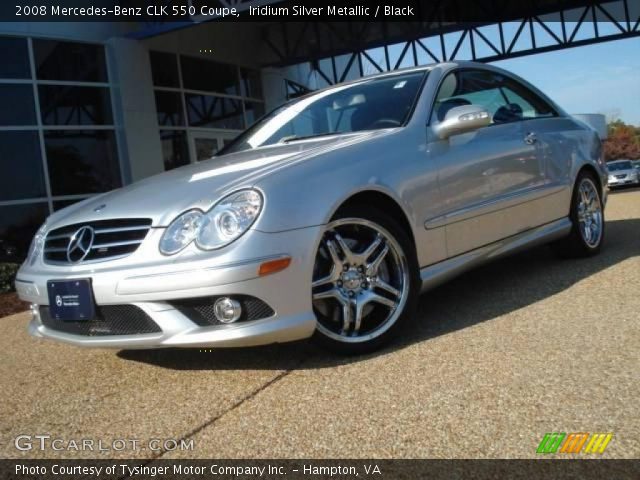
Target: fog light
{"points": [[227, 310], [35, 311]]}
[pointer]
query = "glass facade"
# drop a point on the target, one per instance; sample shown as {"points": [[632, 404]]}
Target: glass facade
{"points": [[17, 105], [21, 159], [90, 154], [57, 138], [197, 97], [175, 152], [73, 105], [15, 58], [69, 61]]}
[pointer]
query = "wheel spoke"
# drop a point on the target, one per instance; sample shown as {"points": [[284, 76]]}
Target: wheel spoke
{"points": [[346, 316], [335, 258], [584, 196], [372, 267], [374, 297], [336, 267], [388, 288], [324, 280], [359, 314], [349, 256], [364, 256], [331, 293]]}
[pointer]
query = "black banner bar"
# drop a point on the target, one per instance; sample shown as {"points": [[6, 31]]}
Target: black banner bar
{"points": [[319, 469], [196, 11]]}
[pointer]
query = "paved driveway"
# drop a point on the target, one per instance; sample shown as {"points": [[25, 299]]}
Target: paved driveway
{"points": [[498, 357]]}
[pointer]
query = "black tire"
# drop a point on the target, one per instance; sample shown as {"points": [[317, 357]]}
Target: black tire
{"points": [[575, 245], [395, 230]]}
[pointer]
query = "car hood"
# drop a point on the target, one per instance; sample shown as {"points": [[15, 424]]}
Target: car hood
{"points": [[162, 197]]}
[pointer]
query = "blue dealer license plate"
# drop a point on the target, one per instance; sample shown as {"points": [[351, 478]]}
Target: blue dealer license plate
{"points": [[71, 300]]}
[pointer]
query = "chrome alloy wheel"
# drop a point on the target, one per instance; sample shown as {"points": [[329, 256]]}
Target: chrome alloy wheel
{"points": [[360, 281], [589, 213]]}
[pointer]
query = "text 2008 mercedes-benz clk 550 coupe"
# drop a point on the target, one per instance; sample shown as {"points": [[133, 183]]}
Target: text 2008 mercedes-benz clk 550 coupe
{"points": [[325, 219]]}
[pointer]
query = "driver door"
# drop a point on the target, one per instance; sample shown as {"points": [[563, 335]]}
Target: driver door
{"points": [[480, 172]]}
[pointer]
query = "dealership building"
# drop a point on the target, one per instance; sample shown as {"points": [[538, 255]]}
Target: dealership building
{"points": [[89, 107]]}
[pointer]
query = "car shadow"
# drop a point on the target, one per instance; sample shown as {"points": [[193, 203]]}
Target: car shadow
{"points": [[623, 189], [482, 294]]}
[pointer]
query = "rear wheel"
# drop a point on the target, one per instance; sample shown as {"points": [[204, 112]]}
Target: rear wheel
{"points": [[587, 218], [365, 281]]}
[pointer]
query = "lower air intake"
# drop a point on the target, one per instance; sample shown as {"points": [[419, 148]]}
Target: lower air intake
{"points": [[109, 320]]}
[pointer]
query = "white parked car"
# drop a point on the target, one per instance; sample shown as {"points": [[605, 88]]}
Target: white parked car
{"points": [[623, 172]]}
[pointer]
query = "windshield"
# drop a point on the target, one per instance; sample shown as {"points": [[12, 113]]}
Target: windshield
{"points": [[382, 102], [619, 166]]}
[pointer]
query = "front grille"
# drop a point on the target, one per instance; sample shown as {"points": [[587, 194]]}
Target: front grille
{"points": [[200, 310], [109, 320], [112, 239], [621, 176]]}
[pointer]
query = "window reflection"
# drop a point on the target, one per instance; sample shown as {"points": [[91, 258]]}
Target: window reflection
{"points": [[17, 107], [251, 83], [18, 225], [254, 111], [69, 61], [174, 148], [20, 159], [15, 58], [60, 204], [164, 69], [169, 108], [71, 105], [214, 112], [208, 76], [82, 161]]}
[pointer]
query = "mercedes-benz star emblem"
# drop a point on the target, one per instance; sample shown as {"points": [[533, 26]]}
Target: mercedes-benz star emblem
{"points": [[80, 244]]}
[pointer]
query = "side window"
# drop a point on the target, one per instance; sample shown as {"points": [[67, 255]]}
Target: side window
{"points": [[504, 98], [532, 105]]}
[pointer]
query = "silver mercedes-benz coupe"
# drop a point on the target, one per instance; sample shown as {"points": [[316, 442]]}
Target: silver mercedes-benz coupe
{"points": [[325, 219]]}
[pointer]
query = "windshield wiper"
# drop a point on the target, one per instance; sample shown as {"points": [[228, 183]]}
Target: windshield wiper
{"points": [[291, 138]]}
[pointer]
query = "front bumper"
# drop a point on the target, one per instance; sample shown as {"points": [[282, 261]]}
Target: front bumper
{"points": [[151, 283], [619, 182]]}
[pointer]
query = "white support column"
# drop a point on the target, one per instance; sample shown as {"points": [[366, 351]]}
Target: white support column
{"points": [[134, 109], [273, 88]]}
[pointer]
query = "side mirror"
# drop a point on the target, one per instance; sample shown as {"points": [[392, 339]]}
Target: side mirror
{"points": [[462, 119]]}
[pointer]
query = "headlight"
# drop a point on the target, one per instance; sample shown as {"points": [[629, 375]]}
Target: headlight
{"points": [[229, 219], [181, 232], [37, 244], [220, 226]]}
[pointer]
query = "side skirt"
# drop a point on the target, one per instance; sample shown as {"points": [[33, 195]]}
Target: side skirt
{"points": [[438, 273]]}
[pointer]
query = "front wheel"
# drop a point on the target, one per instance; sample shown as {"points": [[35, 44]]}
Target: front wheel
{"points": [[587, 218], [365, 281]]}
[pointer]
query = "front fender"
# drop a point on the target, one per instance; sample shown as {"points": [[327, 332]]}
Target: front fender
{"points": [[309, 193]]}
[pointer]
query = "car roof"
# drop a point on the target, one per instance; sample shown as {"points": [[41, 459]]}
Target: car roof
{"points": [[401, 71], [424, 68]]}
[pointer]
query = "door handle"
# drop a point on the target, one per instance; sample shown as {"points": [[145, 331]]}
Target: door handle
{"points": [[530, 138]]}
